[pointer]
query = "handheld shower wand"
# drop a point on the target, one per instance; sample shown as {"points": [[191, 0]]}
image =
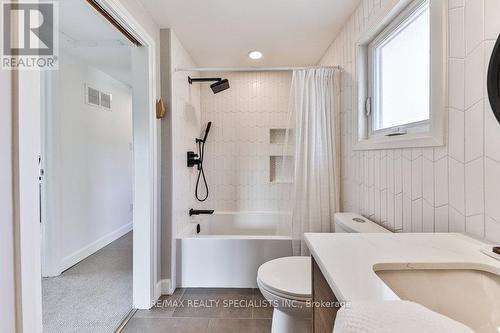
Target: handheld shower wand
{"points": [[206, 133], [201, 172]]}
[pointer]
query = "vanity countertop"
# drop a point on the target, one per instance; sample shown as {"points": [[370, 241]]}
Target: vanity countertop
{"points": [[348, 261]]}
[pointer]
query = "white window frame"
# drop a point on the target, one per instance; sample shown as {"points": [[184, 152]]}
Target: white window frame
{"points": [[397, 25], [426, 133]]}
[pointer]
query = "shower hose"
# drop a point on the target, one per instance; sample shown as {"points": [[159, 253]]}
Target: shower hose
{"points": [[201, 172]]}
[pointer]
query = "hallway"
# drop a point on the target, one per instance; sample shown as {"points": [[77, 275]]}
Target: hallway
{"points": [[92, 296]]}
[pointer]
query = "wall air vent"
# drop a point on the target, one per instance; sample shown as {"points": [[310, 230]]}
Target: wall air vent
{"points": [[106, 100], [92, 96], [97, 98]]}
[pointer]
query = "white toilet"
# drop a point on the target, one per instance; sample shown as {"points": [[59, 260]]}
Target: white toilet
{"points": [[286, 282]]}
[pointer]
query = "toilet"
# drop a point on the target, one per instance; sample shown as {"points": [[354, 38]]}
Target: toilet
{"points": [[286, 282]]}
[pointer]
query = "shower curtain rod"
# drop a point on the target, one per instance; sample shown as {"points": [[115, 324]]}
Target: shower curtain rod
{"points": [[251, 69]]}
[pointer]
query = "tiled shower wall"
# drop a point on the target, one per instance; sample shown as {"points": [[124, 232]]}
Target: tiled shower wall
{"points": [[451, 188], [239, 149]]}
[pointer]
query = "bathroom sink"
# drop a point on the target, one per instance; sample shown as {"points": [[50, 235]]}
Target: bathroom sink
{"points": [[470, 296]]}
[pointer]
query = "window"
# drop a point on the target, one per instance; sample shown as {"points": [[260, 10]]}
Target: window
{"points": [[400, 73], [400, 79]]}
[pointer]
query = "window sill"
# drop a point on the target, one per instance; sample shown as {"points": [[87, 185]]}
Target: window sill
{"points": [[414, 140]]}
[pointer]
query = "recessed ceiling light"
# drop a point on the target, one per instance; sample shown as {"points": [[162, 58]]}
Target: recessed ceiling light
{"points": [[255, 55]]}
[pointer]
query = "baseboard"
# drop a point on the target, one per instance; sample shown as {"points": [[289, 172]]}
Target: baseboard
{"points": [[93, 247], [163, 287]]}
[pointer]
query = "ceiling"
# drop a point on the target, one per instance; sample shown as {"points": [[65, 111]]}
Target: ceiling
{"points": [[87, 35], [220, 33]]}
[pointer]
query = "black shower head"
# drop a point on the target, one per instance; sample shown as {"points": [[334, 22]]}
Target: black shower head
{"points": [[219, 86]]}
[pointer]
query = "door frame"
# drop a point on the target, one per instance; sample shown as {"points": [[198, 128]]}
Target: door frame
{"points": [[146, 202], [146, 183]]}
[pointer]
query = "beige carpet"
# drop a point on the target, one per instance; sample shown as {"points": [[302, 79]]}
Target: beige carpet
{"points": [[92, 296]]}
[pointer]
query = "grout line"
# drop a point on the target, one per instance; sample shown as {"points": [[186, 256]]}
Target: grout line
{"points": [[481, 100], [448, 190], [486, 215], [433, 189], [453, 158], [491, 159], [456, 109], [474, 215], [473, 160], [441, 206], [442, 157], [475, 47]]}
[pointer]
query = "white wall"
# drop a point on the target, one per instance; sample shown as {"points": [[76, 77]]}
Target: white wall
{"points": [[452, 188], [165, 236], [180, 127], [7, 284], [94, 162], [238, 150], [27, 226]]}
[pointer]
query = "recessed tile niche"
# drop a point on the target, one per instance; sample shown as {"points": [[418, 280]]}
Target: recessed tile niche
{"points": [[281, 162], [278, 136], [281, 169]]}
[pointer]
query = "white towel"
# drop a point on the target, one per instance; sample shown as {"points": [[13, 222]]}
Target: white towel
{"points": [[394, 317]]}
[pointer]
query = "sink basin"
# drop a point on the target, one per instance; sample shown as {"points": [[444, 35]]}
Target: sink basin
{"points": [[469, 296]]}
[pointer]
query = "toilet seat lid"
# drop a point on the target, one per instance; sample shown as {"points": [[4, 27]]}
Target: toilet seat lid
{"points": [[289, 276]]}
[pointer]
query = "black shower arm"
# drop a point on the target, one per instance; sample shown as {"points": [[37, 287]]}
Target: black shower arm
{"points": [[204, 79]]}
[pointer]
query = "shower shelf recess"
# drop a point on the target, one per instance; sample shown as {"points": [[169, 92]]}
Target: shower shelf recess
{"points": [[281, 169], [277, 136], [281, 162]]}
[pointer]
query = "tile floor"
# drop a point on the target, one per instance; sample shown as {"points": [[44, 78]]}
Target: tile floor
{"points": [[205, 310]]}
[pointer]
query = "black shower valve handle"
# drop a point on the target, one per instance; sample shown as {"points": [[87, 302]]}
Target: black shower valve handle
{"points": [[193, 159]]}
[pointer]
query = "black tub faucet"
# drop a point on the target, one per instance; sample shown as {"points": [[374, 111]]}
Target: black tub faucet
{"points": [[200, 212]]}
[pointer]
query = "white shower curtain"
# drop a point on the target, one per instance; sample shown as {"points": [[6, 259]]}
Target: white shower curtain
{"points": [[314, 106]]}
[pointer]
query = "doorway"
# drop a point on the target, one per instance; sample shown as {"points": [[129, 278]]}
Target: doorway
{"points": [[97, 145]]}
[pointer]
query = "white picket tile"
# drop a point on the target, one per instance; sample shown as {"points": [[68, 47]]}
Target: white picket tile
{"points": [[474, 187]]}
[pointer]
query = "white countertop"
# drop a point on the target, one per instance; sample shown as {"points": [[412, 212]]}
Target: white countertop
{"points": [[348, 260]]}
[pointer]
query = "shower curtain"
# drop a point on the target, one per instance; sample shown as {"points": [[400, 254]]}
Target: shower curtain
{"points": [[314, 107]]}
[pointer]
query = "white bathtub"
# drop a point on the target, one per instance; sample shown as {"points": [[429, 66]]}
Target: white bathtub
{"points": [[230, 248]]}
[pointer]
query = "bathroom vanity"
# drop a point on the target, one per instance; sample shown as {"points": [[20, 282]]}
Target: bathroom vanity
{"points": [[323, 317], [429, 269]]}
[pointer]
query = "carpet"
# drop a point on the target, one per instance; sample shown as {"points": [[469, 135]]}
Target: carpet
{"points": [[92, 296]]}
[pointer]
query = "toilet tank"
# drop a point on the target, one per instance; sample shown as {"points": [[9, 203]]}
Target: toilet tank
{"points": [[355, 223]]}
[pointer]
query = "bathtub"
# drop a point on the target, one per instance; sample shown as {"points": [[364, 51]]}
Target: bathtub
{"points": [[230, 247]]}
